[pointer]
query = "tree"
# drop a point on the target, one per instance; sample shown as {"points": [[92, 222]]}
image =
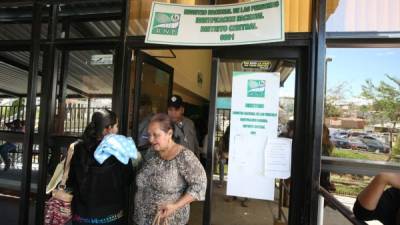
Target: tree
{"points": [[333, 97], [385, 100], [396, 147]]}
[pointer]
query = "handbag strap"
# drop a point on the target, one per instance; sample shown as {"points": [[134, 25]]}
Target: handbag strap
{"points": [[67, 165], [157, 220]]}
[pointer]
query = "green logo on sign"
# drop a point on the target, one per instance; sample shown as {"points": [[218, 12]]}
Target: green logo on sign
{"points": [[256, 88], [166, 23]]}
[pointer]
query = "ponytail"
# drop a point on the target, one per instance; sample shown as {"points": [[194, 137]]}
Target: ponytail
{"points": [[94, 131]]}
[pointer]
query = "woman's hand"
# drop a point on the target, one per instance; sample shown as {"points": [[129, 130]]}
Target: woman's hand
{"points": [[167, 209]]}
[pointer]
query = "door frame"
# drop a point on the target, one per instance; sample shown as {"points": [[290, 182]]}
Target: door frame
{"points": [[141, 58], [302, 155]]}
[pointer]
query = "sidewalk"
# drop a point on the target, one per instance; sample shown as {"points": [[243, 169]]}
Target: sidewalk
{"points": [[258, 212], [347, 201]]}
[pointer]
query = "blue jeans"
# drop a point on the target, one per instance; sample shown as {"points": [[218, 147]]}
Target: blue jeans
{"points": [[5, 149]]}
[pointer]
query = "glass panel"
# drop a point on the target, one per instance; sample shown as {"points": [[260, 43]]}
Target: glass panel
{"points": [[155, 84], [363, 15], [140, 12], [92, 20], [361, 109], [89, 79], [243, 210], [16, 26], [21, 31], [107, 28], [361, 116], [154, 94], [13, 91], [12, 30], [15, 31]]}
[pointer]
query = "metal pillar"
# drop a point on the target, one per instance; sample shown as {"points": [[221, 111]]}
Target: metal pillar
{"points": [[63, 81], [30, 116], [317, 110], [121, 82], [320, 210], [47, 109], [210, 142]]}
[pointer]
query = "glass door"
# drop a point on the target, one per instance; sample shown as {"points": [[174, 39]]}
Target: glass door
{"points": [[153, 87], [245, 167]]}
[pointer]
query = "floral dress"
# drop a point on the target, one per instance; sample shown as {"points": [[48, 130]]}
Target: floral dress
{"points": [[165, 181]]}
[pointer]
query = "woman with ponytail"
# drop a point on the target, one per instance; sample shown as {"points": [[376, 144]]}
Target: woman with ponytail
{"points": [[99, 190]]}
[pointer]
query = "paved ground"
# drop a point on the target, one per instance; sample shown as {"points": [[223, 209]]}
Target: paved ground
{"points": [[349, 202], [9, 208], [258, 212]]}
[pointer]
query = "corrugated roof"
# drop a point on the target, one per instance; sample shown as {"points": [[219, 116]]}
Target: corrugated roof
{"points": [[90, 79], [14, 79], [226, 68]]}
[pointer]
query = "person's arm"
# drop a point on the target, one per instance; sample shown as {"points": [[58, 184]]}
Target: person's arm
{"points": [[169, 208], [193, 173], [370, 196]]}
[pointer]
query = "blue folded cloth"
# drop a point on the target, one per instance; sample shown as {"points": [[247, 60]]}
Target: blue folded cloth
{"points": [[121, 147]]}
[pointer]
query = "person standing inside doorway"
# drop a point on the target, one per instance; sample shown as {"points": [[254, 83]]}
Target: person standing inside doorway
{"points": [[185, 132]]}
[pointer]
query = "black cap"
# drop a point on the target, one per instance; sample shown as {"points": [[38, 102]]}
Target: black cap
{"points": [[175, 101]]}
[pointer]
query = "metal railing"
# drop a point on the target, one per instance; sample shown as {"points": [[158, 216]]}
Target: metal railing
{"points": [[76, 117], [11, 113], [337, 205], [337, 165], [357, 166], [16, 156], [284, 192]]}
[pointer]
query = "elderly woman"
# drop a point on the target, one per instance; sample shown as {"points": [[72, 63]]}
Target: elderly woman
{"points": [[170, 179]]}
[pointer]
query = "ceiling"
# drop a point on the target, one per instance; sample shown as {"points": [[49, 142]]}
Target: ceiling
{"points": [[227, 67]]}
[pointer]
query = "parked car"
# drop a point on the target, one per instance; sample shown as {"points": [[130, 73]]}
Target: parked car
{"points": [[375, 144], [339, 142], [357, 134], [357, 144], [340, 134]]}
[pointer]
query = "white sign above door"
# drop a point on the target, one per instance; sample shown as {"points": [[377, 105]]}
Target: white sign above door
{"points": [[216, 25]]}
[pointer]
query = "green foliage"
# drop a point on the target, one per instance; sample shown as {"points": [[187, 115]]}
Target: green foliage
{"points": [[396, 147], [348, 154], [353, 154], [385, 99], [331, 110], [333, 96]]}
